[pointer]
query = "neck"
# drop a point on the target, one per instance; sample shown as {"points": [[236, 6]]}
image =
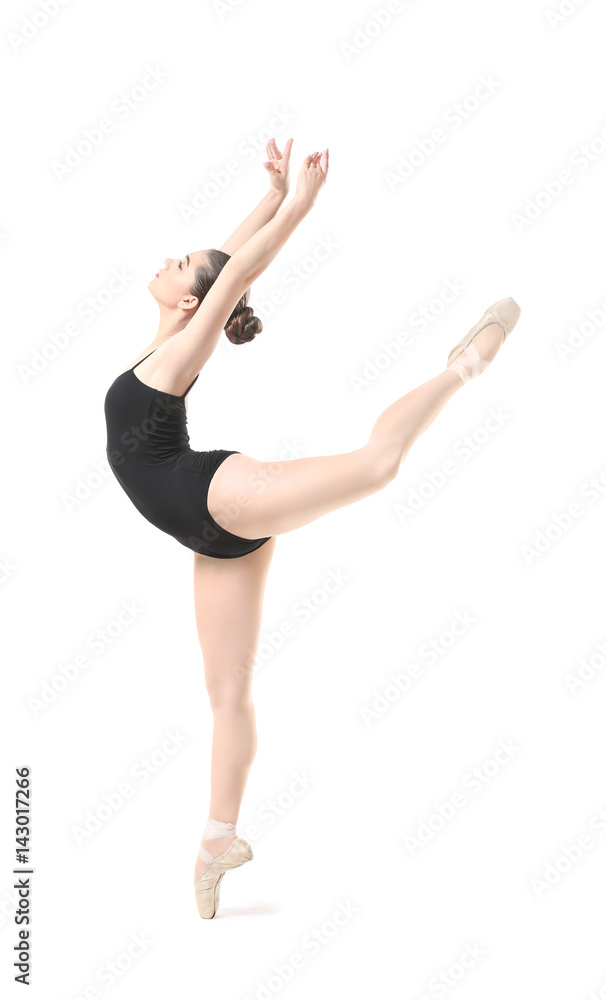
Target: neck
{"points": [[171, 322]]}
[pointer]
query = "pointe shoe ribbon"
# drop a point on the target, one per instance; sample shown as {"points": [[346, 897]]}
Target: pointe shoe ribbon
{"points": [[207, 885], [469, 364]]}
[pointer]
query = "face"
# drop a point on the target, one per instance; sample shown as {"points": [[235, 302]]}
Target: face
{"points": [[172, 285]]}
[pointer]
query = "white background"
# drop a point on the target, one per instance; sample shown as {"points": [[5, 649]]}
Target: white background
{"points": [[373, 95]]}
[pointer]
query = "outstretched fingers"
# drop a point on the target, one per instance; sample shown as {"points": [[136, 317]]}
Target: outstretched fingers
{"points": [[287, 149], [320, 160], [273, 153]]}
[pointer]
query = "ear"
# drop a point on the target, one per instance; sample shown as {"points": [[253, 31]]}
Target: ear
{"points": [[188, 302]]}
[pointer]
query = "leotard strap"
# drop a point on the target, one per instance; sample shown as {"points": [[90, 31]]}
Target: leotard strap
{"points": [[143, 359], [149, 355]]}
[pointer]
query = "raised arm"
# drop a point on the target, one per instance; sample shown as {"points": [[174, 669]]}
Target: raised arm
{"points": [[277, 165], [192, 347]]}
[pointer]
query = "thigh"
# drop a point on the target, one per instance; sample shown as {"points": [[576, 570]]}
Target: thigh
{"points": [[255, 499], [228, 601]]}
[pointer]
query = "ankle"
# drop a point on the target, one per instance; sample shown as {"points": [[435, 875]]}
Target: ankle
{"points": [[215, 829], [216, 839], [217, 845], [453, 375]]}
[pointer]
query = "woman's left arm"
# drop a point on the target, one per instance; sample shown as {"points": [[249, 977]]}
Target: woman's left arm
{"points": [[277, 168]]}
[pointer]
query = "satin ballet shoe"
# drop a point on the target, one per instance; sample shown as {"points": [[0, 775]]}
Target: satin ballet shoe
{"points": [[464, 358], [207, 885]]}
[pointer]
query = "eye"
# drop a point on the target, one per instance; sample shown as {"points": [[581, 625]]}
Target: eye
{"points": [[180, 265]]}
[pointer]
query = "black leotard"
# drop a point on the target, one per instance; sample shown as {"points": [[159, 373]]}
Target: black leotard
{"points": [[148, 451]]}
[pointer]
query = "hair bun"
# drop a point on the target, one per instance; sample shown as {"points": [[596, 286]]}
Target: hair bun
{"points": [[243, 326]]}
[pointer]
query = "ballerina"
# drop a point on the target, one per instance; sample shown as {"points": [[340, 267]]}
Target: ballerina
{"points": [[186, 492]]}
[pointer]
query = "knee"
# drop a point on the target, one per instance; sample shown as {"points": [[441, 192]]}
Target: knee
{"points": [[229, 696], [384, 466], [390, 471]]}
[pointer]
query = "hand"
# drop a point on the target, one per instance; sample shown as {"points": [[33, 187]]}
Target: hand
{"points": [[312, 176], [277, 165]]}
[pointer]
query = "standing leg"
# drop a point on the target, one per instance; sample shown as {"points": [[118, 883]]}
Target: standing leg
{"points": [[278, 497], [228, 597]]}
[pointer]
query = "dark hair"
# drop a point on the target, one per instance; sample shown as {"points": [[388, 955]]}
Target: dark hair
{"points": [[242, 325]]}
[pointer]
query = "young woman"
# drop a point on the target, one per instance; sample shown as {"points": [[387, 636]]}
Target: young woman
{"points": [[186, 493]]}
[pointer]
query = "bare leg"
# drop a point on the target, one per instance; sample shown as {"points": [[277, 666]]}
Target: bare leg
{"points": [[228, 596], [254, 499]]}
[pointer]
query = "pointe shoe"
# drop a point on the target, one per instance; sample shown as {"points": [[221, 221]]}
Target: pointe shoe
{"points": [[506, 313], [207, 885]]}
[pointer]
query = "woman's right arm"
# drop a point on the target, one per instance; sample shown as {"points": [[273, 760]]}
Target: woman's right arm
{"points": [[191, 348]]}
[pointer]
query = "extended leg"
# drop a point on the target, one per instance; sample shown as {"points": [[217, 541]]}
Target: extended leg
{"points": [[228, 595], [254, 499]]}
